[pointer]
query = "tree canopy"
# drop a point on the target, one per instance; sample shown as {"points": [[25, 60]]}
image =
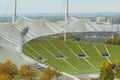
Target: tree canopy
{"points": [[8, 68], [106, 72], [27, 72], [49, 72]]}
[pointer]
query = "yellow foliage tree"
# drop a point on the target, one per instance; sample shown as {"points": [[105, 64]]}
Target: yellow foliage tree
{"points": [[117, 70], [106, 72], [60, 36], [27, 72], [9, 68], [4, 76], [58, 74], [49, 73]]}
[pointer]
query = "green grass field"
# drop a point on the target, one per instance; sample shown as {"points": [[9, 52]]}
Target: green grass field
{"points": [[72, 64]]}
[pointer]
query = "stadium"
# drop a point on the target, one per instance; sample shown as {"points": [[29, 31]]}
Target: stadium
{"points": [[27, 47], [26, 41]]}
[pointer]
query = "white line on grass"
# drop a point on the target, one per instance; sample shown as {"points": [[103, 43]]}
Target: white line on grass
{"points": [[107, 52], [90, 63], [46, 49], [96, 49], [70, 50], [71, 65], [81, 49]]}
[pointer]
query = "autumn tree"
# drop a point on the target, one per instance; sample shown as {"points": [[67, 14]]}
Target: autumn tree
{"points": [[27, 72], [117, 70], [45, 77], [58, 73], [60, 36], [9, 68], [4, 76], [49, 73], [106, 72]]}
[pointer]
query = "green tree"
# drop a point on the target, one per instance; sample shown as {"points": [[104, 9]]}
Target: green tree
{"points": [[106, 72], [108, 41], [117, 42]]}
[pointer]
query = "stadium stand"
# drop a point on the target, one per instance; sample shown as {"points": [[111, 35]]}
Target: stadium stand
{"points": [[42, 47]]}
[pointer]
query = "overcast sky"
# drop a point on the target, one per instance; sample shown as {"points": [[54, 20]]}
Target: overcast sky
{"points": [[57, 6]]}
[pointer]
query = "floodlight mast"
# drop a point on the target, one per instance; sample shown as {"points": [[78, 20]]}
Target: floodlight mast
{"points": [[23, 34]]}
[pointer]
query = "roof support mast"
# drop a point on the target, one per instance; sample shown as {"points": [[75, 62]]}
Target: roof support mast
{"points": [[66, 17], [14, 11], [66, 11]]}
